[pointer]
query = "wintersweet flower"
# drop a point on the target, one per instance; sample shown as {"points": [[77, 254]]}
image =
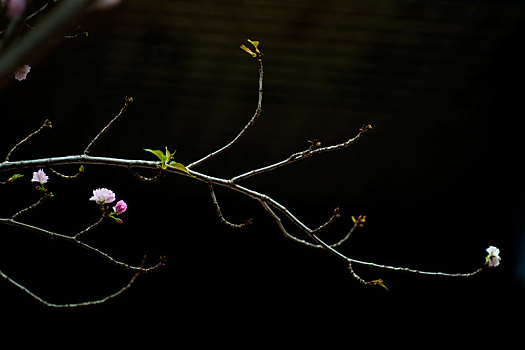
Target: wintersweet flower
{"points": [[493, 258], [120, 207], [40, 177], [22, 72], [103, 195]]}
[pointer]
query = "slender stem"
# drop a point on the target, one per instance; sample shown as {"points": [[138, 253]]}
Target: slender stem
{"points": [[299, 156], [252, 121], [219, 212], [79, 243], [73, 305], [89, 228], [102, 132], [47, 124], [31, 207]]}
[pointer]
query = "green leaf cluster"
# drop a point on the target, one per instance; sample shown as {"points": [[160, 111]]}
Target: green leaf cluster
{"points": [[166, 160]]}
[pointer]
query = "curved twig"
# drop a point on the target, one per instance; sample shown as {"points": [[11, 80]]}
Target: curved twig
{"points": [[219, 212], [72, 305], [47, 124], [252, 121], [76, 241]]}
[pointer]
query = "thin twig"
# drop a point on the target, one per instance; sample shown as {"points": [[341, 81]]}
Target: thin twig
{"points": [[219, 213], [81, 244], [72, 305], [67, 177], [310, 152], [283, 229], [31, 207], [102, 132], [89, 228], [252, 121], [144, 178], [47, 124]]}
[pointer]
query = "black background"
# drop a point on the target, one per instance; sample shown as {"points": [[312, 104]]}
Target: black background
{"points": [[438, 176]]}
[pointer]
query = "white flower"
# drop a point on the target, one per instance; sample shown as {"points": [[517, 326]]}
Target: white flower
{"points": [[40, 177], [493, 258], [103, 195]]}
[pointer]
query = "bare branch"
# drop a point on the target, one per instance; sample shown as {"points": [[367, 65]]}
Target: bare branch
{"points": [[283, 230], [47, 124], [73, 305], [252, 121], [31, 207], [312, 151], [144, 178], [68, 177], [89, 228], [102, 132], [81, 244], [219, 213]]}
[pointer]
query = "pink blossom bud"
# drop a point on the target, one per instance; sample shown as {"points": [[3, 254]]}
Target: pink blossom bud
{"points": [[103, 195], [120, 207], [40, 177], [22, 72]]}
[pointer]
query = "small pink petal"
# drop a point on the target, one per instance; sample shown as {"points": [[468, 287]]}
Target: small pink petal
{"points": [[22, 72]]}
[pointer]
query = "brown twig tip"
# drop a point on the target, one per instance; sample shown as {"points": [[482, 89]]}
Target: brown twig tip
{"points": [[365, 127], [315, 143]]}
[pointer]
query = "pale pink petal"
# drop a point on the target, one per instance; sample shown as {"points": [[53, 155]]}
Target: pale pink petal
{"points": [[40, 176], [22, 72]]}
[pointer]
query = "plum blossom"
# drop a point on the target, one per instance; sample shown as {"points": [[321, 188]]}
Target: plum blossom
{"points": [[493, 258], [40, 177], [22, 72], [103, 195], [120, 207]]}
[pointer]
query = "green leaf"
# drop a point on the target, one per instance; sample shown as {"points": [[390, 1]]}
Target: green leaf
{"points": [[169, 155], [14, 177], [158, 153], [180, 167]]}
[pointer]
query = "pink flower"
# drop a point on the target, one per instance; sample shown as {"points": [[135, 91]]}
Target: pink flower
{"points": [[22, 72], [120, 207], [103, 195], [15, 8], [40, 177]]}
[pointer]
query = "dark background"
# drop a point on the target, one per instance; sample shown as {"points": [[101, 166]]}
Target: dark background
{"points": [[439, 175]]}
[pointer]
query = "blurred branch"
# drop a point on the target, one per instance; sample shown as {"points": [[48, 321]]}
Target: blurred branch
{"points": [[37, 43]]}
